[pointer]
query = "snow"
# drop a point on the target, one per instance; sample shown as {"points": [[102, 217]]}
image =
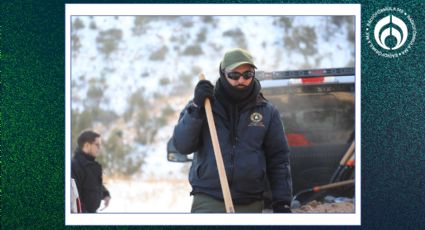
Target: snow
{"points": [[132, 58], [158, 165], [156, 195], [163, 186]]}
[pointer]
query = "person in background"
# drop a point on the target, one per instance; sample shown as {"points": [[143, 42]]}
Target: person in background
{"points": [[87, 173]]}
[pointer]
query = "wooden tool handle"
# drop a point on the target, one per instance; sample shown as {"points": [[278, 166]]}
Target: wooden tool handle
{"points": [[333, 185], [347, 155], [218, 157]]}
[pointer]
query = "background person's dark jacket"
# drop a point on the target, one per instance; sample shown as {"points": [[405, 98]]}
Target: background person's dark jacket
{"points": [[261, 149], [88, 177]]}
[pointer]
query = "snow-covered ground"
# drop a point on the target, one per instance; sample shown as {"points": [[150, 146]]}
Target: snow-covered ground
{"points": [[162, 186], [155, 195]]}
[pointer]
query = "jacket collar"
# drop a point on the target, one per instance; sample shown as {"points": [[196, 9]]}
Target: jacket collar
{"points": [[83, 157]]}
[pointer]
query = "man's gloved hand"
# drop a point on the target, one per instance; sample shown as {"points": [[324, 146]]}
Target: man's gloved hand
{"points": [[204, 89], [281, 207]]}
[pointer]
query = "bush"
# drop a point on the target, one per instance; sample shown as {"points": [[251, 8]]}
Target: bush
{"points": [[108, 41], [194, 50], [159, 55]]}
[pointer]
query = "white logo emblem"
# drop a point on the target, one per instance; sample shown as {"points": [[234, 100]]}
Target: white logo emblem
{"points": [[390, 26], [390, 32], [256, 119]]}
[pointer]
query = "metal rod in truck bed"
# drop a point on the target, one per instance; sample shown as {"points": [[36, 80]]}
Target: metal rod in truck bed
{"points": [[291, 74]]}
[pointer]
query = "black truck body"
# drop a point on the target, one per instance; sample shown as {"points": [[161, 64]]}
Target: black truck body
{"points": [[317, 108]]}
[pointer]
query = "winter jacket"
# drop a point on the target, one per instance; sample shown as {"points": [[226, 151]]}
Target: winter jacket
{"points": [[88, 177], [260, 151]]}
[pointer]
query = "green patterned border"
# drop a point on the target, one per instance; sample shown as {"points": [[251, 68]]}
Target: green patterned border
{"points": [[33, 120]]}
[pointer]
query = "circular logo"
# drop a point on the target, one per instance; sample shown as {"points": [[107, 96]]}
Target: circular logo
{"points": [[256, 117], [390, 32]]}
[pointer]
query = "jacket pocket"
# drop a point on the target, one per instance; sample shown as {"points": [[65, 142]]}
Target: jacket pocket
{"points": [[250, 173], [207, 171]]}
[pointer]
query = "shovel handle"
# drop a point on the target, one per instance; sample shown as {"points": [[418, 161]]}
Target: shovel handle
{"points": [[333, 185], [347, 155], [218, 157]]}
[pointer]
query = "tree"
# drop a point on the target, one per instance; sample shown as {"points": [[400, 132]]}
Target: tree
{"points": [[303, 40], [76, 44], [238, 37], [108, 41], [193, 50], [80, 122], [117, 157], [159, 55]]}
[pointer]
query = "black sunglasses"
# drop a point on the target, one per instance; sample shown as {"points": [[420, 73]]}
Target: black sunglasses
{"points": [[236, 75]]}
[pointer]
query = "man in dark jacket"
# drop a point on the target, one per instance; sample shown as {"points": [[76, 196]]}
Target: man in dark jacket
{"points": [[251, 137], [88, 173]]}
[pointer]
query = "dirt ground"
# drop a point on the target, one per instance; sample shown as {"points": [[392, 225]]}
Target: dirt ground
{"points": [[319, 207]]}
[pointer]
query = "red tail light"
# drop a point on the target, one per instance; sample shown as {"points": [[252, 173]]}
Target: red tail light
{"points": [[312, 80], [296, 139]]}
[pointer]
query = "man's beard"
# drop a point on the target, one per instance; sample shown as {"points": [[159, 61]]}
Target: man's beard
{"points": [[240, 86]]}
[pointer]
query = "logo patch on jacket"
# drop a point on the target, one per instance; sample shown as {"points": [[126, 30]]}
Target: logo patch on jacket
{"points": [[256, 120]]}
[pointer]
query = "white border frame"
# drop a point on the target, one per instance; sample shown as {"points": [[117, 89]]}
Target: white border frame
{"points": [[211, 219]]}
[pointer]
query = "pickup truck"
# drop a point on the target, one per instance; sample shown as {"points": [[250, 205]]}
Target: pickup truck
{"points": [[317, 108]]}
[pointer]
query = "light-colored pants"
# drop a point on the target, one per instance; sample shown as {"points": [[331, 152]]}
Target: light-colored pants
{"points": [[205, 204]]}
